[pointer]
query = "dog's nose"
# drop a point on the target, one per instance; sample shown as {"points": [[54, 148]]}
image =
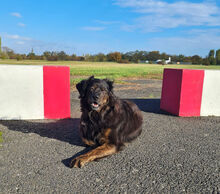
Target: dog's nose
{"points": [[95, 96]]}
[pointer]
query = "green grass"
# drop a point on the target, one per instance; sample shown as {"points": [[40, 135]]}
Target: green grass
{"points": [[1, 139], [115, 71]]}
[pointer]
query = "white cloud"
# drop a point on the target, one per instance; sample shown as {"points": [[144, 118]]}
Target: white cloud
{"points": [[16, 14], [107, 22], [93, 28], [210, 31], [162, 7], [197, 41], [20, 42], [21, 24], [16, 37], [156, 15]]}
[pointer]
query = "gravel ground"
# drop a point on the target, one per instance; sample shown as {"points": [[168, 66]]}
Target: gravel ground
{"points": [[172, 155]]}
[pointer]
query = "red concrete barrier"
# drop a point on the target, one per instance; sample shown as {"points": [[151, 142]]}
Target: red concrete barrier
{"points": [[34, 92], [191, 92]]}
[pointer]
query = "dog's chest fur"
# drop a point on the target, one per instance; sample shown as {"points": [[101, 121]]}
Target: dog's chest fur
{"points": [[93, 126]]}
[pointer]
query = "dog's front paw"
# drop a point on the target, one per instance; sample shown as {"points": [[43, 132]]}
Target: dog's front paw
{"points": [[78, 162]]}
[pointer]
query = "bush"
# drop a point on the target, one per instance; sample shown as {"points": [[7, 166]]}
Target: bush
{"points": [[19, 57], [52, 58], [4, 55], [205, 62], [124, 61]]}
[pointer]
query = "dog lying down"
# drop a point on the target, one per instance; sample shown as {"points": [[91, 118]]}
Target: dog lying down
{"points": [[107, 122]]}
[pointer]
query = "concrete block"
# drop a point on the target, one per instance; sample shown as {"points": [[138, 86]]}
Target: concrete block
{"points": [[189, 93], [34, 92]]}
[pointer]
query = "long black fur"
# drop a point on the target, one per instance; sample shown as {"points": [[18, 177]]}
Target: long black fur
{"points": [[122, 117]]}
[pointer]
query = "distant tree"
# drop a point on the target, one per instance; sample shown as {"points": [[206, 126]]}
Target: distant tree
{"points": [[53, 56], [212, 53], [19, 57], [11, 54], [31, 56], [4, 55], [211, 57], [101, 57], [124, 61], [46, 54], [127, 56], [212, 61], [136, 56], [23, 56], [196, 59], [175, 58], [218, 57], [74, 57], [139, 56], [153, 55], [80, 58], [164, 56], [7, 53], [187, 59], [61, 56], [205, 61], [68, 58], [142, 55], [115, 56], [181, 58], [87, 57]]}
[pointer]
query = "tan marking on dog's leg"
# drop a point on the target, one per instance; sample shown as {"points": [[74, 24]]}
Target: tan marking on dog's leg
{"points": [[99, 152], [105, 135], [107, 132], [88, 142]]}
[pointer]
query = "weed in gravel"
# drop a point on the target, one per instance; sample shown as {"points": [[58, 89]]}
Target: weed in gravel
{"points": [[1, 139]]}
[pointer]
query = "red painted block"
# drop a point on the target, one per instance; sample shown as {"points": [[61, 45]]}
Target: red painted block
{"points": [[56, 92], [191, 92], [182, 91], [171, 90]]}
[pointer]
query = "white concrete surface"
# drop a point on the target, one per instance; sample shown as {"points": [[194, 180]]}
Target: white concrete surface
{"points": [[21, 92], [211, 94]]}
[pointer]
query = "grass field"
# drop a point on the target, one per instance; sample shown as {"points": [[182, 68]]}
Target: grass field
{"points": [[115, 71]]}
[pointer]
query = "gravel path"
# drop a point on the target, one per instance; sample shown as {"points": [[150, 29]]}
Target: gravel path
{"points": [[173, 155]]}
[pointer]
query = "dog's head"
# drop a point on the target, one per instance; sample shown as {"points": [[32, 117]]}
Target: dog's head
{"points": [[95, 92]]}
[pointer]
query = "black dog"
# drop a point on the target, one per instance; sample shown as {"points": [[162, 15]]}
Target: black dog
{"points": [[106, 122]]}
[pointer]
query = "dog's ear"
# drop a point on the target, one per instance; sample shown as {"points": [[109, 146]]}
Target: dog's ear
{"points": [[110, 84], [81, 86], [91, 78]]}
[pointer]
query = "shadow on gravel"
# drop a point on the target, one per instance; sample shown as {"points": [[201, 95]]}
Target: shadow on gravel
{"points": [[149, 105], [66, 130]]}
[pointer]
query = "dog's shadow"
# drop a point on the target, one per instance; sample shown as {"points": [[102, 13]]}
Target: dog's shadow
{"points": [[66, 130], [150, 105]]}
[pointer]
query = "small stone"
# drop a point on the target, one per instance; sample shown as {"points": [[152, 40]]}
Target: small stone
{"points": [[97, 180]]}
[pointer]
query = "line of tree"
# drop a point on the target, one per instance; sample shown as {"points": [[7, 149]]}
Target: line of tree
{"points": [[213, 57]]}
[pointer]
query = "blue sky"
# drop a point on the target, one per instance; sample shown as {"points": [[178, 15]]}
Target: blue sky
{"points": [[186, 27]]}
